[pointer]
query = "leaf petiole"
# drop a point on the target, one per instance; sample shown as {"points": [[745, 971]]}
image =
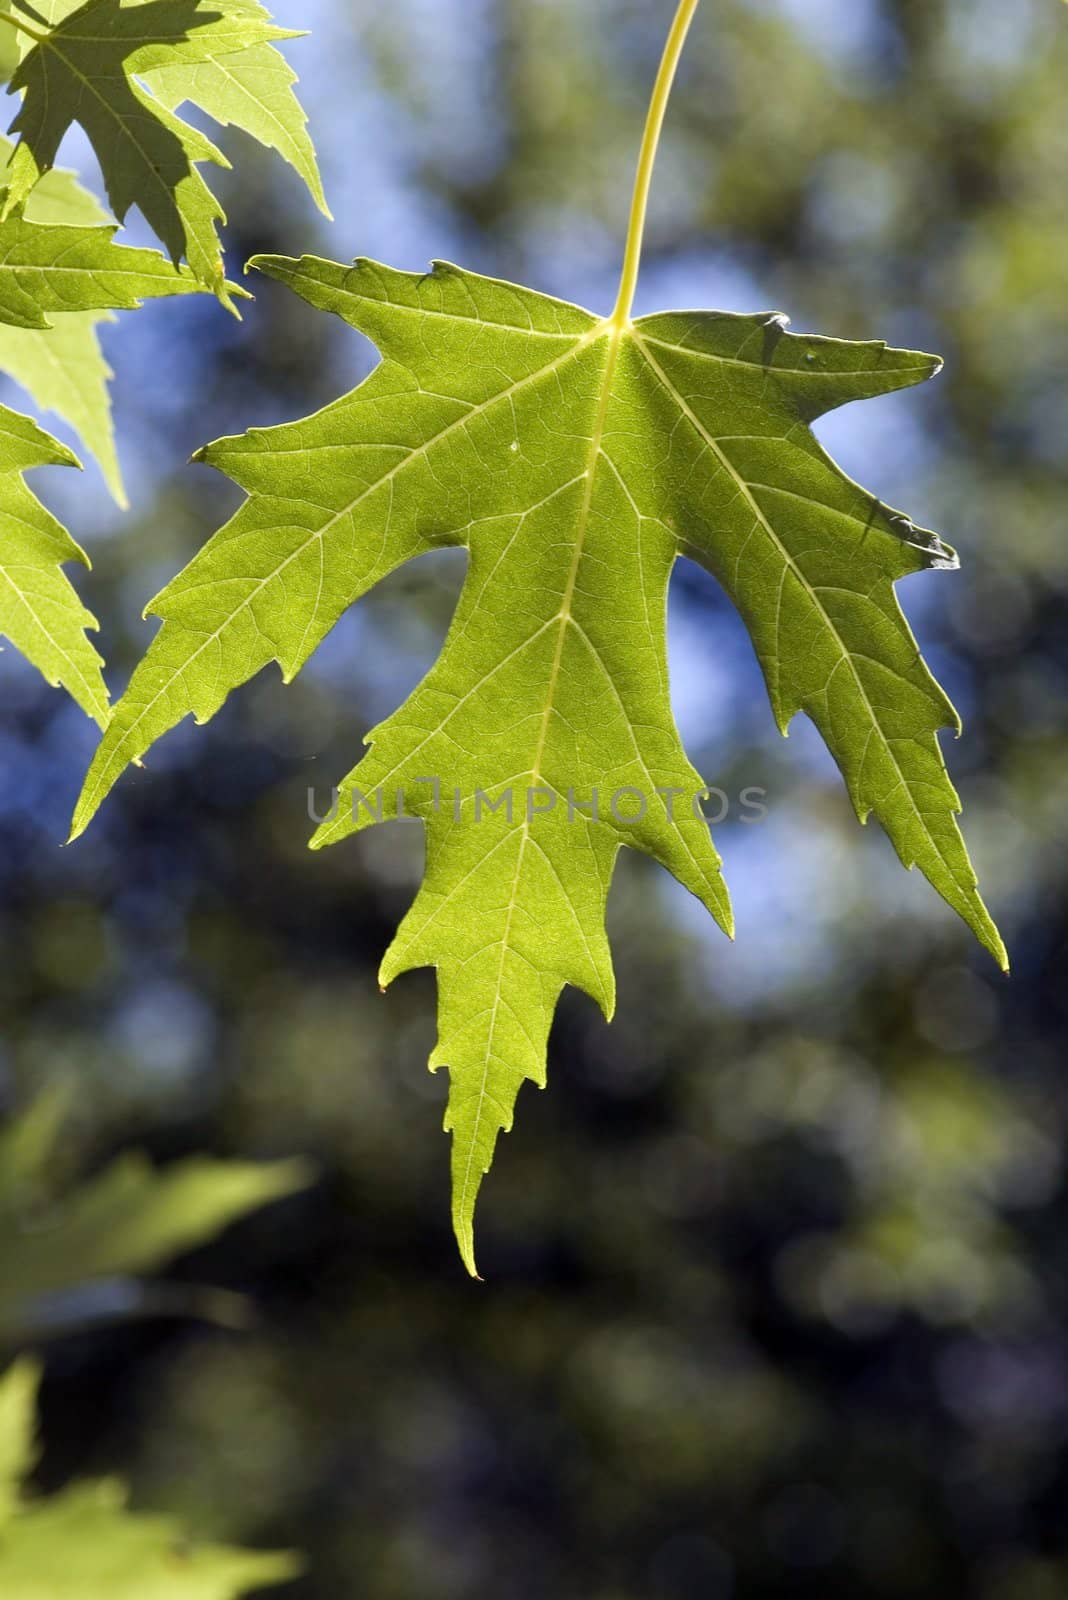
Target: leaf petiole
{"points": [[654, 122], [23, 27]]}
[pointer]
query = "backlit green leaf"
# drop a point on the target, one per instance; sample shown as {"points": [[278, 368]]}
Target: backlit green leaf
{"points": [[50, 269], [576, 459], [250, 89], [92, 67], [62, 367], [39, 610], [64, 370]]}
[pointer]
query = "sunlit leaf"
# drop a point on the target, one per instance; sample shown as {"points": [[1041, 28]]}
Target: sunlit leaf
{"points": [[92, 65], [45, 270], [39, 611], [577, 460]]}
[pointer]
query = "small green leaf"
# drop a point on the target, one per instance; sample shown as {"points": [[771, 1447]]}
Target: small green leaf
{"points": [[50, 269], [39, 611], [92, 67], [577, 459], [62, 367]]}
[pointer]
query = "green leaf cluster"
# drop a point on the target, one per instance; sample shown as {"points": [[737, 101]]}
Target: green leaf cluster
{"points": [[120, 69]]}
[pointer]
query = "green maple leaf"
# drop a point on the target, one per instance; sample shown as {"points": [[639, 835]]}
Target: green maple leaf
{"points": [[127, 1221], [577, 459], [92, 65], [50, 269], [59, 270], [59, 262], [84, 1543], [251, 89], [39, 610], [62, 366], [64, 370]]}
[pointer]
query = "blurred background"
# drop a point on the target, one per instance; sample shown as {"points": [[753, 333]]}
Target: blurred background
{"points": [[777, 1268]]}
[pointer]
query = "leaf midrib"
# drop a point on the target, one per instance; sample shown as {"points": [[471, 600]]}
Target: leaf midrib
{"points": [[92, 692], [563, 618]]}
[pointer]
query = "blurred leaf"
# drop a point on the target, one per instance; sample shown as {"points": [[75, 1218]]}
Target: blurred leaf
{"points": [[18, 1417], [129, 1219], [26, 1146], [84, 1543], [577, 459]]}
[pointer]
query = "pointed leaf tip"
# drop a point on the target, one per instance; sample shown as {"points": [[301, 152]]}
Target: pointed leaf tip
{"points": [[463, 1230]]}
